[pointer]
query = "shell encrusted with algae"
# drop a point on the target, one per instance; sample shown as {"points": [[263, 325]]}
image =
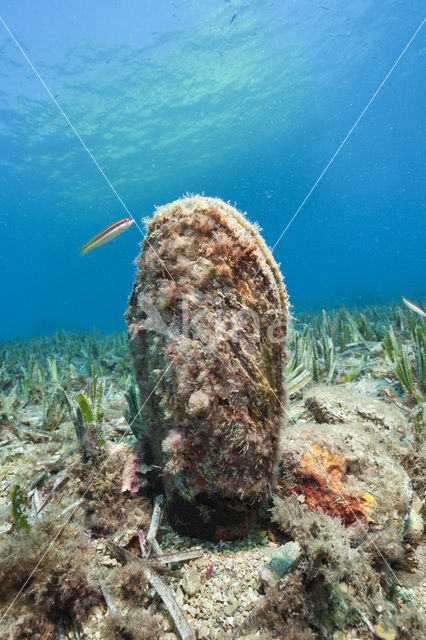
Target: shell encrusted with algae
{"points": [[207, 320]]}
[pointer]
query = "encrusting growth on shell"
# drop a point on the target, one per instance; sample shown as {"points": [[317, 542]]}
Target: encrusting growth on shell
{"points": [[207, 320], [344, 472]]}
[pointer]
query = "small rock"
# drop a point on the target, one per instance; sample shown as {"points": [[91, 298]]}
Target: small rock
{"points": [[166, 622], [280, 564], [179, 596], [191, 582], [5, 528], [414, 531], [269, 552], [409, 580], [229, 610], [169, 636], [203, 631], [109, 562], [389, 634], [257, 583], [417, 504], [377, 349], [200, 563]]}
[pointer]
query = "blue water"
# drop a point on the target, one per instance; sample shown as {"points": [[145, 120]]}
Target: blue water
{"points": [[244, 100]]}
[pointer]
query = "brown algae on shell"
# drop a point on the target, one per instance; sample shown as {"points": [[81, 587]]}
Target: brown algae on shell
{"points": [[207, 320]]}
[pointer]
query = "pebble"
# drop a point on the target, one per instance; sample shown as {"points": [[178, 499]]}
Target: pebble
{"points": [[191, 582], [203, 631], [229, 610], [179, 596], [377, 349], [281, 563], [414, 531], [202, 562], [109, 562], [385, 634]]}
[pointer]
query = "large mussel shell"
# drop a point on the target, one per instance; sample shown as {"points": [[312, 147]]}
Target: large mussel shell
{"points": [[207, 320]]}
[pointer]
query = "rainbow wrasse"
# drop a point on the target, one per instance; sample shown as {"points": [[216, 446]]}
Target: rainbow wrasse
{"points": [[107, 234], [414, 307]]}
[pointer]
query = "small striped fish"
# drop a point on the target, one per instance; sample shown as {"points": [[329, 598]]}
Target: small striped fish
{"points": [[414, 307], [107, 234]]}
